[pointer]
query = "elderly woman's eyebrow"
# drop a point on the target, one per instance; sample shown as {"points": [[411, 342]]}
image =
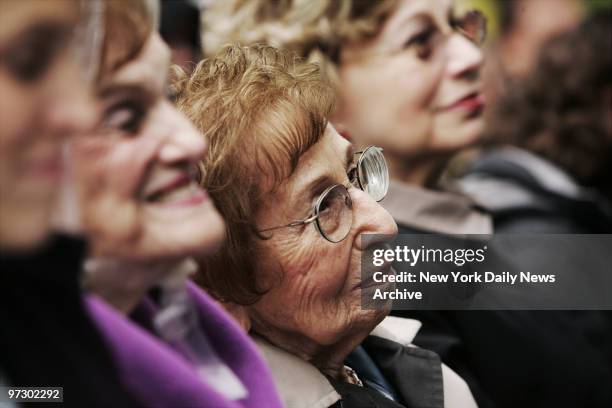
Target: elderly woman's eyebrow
{"points": [[317, 185], [312, 189], [116, 92]]}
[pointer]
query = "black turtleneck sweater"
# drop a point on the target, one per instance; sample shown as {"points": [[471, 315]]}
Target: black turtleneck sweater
{"points": [[46, 337]]}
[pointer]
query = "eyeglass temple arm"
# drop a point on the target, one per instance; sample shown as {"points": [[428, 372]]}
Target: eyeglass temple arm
{"points": [[361, 151], [293, 224]]}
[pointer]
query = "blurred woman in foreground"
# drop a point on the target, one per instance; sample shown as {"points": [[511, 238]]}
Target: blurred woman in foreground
{"points": [[145, 215], [47, 339], [298, 200]]}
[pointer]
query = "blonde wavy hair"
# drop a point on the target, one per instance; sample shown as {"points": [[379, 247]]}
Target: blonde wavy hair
{"points": [[315, 29], [261, 109]]}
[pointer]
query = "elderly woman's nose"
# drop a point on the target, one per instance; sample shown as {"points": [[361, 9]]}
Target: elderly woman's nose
{"points": [[183, 142], [464, 57], [371, 218]]}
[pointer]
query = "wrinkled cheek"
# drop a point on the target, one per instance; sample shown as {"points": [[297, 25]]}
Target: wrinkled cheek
{"points": [[320, 266], [110, 214], [296, 253], [111, 221], [112, 225]]}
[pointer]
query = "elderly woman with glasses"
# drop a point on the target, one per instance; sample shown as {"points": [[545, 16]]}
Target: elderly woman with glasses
{"points": [[406, 74], [297, 200]]}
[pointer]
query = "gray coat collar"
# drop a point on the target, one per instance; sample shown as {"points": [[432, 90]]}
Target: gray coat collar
{"points": [[435, 211], [499, 193]]}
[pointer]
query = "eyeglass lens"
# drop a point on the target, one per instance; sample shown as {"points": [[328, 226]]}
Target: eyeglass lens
{"points": [[473, 24], [335, 215], [334, 210], [373, 173]]}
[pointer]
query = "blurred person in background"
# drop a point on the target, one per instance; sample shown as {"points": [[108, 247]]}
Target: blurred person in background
{"points": [[551, 169], [47, 338], [527, 24], [144, 215], [180, 29], [394, 64], [547, 169], [297, 198], [524, 26]]}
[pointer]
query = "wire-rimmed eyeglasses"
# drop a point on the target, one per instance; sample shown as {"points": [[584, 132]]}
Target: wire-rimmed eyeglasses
{"points": [[332, 213]]}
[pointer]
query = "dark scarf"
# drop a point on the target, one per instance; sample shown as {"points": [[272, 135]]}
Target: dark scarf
{"points": [[46, 338]]}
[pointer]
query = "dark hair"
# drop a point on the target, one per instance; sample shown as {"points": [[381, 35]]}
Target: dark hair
{"points": [[561, 111], [180, 23], [507, 14]]}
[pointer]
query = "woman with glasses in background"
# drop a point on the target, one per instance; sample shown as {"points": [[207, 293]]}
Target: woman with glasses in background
{"points": [[297, 200]]}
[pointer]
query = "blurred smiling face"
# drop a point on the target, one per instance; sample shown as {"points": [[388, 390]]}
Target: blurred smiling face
{"points": [[414, 88], [42, 104], [138, 179]]}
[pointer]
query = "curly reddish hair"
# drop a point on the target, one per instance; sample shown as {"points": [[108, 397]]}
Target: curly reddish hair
{"points": [[261, 109]]}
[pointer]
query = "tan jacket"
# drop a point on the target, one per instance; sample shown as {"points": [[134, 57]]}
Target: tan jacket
{"points": [[301, 385]]}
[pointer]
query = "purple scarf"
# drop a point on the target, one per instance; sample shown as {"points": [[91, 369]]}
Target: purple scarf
{"points": [[157, 376]]}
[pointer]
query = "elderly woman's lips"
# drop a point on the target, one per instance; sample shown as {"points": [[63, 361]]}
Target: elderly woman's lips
{"points": [[182, 191], [470, 102], [156, 189], [185, 197]]}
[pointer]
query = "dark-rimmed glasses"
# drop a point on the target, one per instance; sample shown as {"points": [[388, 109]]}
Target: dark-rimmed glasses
{"points": [[471, 24]]}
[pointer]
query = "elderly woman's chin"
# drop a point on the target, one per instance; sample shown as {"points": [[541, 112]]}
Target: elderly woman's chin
{"points": [[200, 232], [457, 133], [372, 313], [370, 302], [149, 233]]}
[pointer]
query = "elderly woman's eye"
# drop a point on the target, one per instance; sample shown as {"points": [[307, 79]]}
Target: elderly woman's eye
{"points": [[126, 116], [324, 206], [422, 43]]}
